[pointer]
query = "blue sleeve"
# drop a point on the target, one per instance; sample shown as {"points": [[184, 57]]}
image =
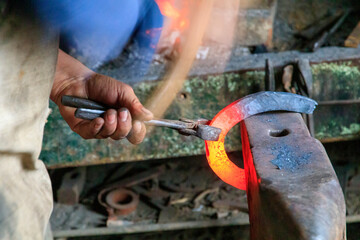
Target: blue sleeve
{"points": [[96, 31]]}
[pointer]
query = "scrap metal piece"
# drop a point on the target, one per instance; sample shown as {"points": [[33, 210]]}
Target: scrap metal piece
{"points": [[71, 186], [305, 77], [305, 84], [323, 38], [111, 202], [269, 75], [122, 201], [126, 183], [292, 189]]}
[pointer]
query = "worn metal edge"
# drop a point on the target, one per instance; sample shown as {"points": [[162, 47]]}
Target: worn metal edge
{"points": [[142, 228], [163, 227], [338, 139], [257, 61], [110, 160]]}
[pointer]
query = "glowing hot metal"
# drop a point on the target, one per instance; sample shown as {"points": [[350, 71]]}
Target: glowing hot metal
{"points": [[239, 110]]}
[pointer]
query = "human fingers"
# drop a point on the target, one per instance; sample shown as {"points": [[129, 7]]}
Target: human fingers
{"points": [[110, 124], [123, 124], [129, 100], [89, 129], [137, 132]]}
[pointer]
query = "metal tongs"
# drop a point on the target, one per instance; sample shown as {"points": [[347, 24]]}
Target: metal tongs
{"points": [[89, 110]]}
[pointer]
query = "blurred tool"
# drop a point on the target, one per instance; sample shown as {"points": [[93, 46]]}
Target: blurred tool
{"points": [[89, 110]]}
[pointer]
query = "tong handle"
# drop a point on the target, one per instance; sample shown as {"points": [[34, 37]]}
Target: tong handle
{"points": [[89, 110], [77, 102]]}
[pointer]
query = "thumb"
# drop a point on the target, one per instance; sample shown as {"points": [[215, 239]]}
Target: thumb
{"points": [[129, 100]]}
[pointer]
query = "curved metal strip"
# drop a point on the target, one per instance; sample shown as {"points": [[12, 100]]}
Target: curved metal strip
{"points": [[239, 110]]}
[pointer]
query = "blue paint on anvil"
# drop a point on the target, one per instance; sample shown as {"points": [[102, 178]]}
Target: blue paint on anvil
{"points": [[289, 158]]}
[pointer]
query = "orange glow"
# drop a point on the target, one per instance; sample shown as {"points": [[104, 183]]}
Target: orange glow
{"points": [[167, 9], [218, 160], [250, 172], [182, 23], [178, 17]]}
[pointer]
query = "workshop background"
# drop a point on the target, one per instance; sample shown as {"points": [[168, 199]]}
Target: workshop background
{"points": [[213, 52]]}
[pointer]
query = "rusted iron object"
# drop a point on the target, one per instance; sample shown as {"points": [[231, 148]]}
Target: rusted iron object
{"points": [[122, 202], [269, 75], [292, 189], [305, 84], [117, 200], [324, 37], [71, 186]]}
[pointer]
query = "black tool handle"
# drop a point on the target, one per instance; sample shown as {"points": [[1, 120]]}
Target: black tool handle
{"points": [[88, 114], [77, 102]]}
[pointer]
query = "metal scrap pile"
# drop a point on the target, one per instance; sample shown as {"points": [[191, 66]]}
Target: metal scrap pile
{"points": [[171, 191]]}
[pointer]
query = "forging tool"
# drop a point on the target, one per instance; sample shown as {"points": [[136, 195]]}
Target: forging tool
{"points": [[89, 110]]}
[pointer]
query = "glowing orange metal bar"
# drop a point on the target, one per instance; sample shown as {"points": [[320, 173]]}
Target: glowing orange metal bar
{"points": [[250, 105], [218, 160]]}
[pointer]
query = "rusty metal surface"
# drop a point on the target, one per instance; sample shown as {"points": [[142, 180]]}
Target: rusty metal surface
{"points": [[293, 191], [71, 186], [118, 201], [122, 202]]}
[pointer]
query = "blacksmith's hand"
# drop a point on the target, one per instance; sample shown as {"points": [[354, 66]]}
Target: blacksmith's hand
{"points": [[73, 78]]}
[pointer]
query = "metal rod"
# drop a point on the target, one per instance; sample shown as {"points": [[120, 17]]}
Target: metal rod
{"points": [[90, 114], [321, 41], [164, 123], [141, 228]]}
